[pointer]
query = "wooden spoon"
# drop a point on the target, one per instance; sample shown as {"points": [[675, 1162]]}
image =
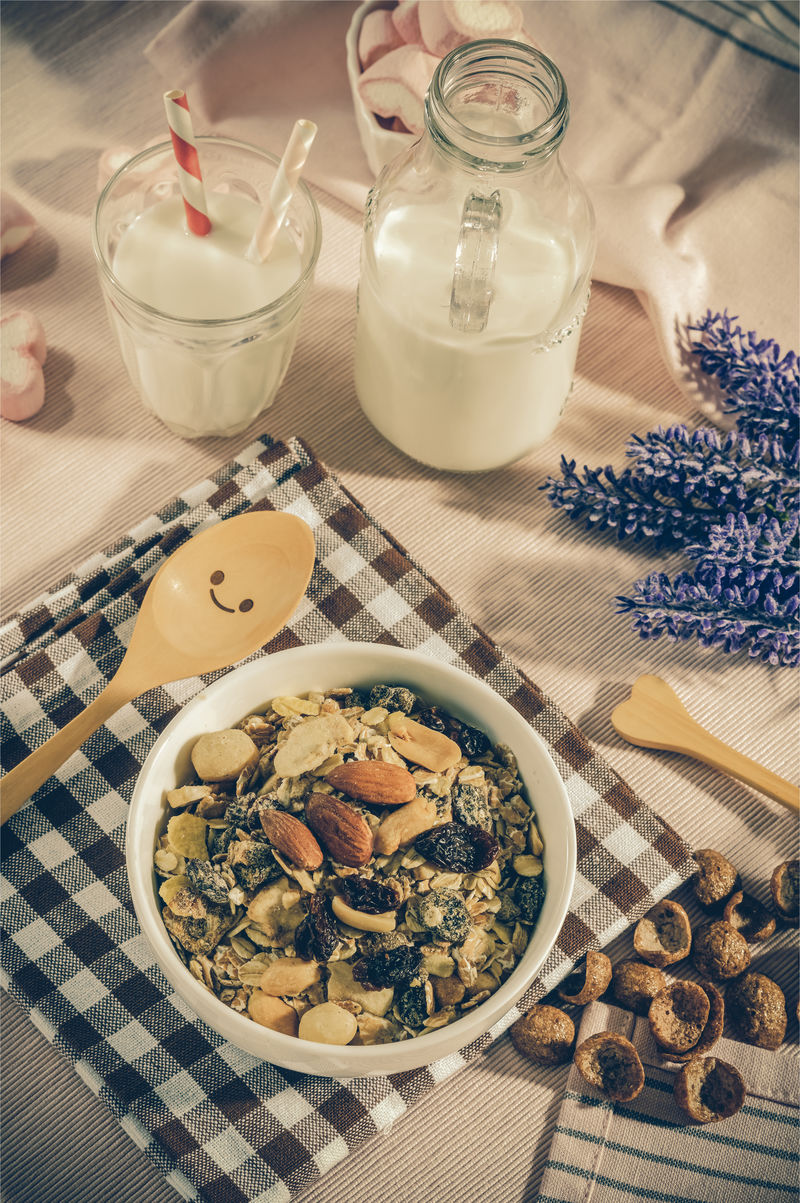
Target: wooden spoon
{"points": [[654, 717], [218, 598]]}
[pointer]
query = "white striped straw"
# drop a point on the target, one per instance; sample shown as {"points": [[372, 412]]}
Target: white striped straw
{"points": [[282, 190], [190, 177]]}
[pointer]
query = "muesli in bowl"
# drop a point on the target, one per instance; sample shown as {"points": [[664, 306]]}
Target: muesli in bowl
{"points": [[350, 865]]}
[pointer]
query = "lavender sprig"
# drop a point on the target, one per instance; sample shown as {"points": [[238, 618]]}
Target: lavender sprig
{"points": [[762, 387], [759, 558], [717, 617]]}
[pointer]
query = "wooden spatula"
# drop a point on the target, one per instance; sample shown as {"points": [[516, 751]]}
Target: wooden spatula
{"points": [[654, 717]]}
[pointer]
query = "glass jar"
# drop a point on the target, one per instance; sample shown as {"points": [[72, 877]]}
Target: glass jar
{"points": [[475, 267]]}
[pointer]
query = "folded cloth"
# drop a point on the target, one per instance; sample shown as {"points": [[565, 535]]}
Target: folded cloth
{"points": [[221, 1124], [648, 1149], [684, 128]]}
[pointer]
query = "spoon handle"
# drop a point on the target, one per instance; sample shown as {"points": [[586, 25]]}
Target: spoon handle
{"points": [[718, 755], [21, 782]]}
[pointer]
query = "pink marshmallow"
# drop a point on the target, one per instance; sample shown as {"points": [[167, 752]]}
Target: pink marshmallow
{"points": [[16, 224], [377, 37], [24, 348], [439, 35], [396, 84], [406, 22], [477, 19]]}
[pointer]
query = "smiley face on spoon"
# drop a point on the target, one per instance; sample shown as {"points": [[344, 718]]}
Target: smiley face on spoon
{"points": [[216, 578]]}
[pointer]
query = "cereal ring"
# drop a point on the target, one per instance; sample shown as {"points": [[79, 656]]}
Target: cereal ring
{"points": [[664, 935], [588, 982], [709, 1090], [611, 1064], [545, 1035]]}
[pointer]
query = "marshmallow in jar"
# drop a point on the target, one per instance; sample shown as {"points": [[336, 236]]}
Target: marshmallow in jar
{"points": [[475, 267]]}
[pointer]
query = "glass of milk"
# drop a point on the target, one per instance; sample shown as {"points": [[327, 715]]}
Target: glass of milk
{"points": [[475, 267], [205, 334]]}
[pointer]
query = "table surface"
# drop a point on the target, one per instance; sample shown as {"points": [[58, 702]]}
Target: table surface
{"points": [[93, 463]]}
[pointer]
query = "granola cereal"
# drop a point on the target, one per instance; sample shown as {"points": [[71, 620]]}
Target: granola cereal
{"points": [[323, 894]]}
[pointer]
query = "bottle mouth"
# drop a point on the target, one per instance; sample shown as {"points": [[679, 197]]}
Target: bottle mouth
{"points": [[498, 104]]}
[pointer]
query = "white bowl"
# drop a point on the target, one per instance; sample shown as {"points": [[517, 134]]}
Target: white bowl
{"points": [[380, 145], [250, 688]]}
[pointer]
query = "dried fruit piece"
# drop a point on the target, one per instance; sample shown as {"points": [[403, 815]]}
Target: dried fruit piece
{"points": [[720, 952], [420, 745], [289, 976], [635, 985], [172, 886], [272, 1013], [185, 796], [471, 806], [360, 919], [441, 912], [392, 697], [749, 917], [709, 1090], [374, 781], [664, 935], [277, 911], [186, 835], [292, 838], [677, 1016], [387, 967], [316, 939], [545, 1035], [414, 1003], [448, 991], [405, 824], [529, 895], [252, 863], [368, 895], [611, 1063], [341, 829], [757, 1009], [208, 881], [589, 981], [713, 1026], [328, 1023], [197, 925], [716, 878], [311, 742], [223, 755], [458, 848], [785, 888], [342, 987]]}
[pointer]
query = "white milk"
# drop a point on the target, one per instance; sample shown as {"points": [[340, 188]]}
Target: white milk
{"points": [[203, 379], [466, 401]]}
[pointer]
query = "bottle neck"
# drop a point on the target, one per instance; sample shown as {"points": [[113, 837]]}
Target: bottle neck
{"points": [[497, 106]]}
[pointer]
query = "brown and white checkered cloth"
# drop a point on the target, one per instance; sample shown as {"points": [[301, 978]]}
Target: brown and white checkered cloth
{"points": [[220, 1124]]}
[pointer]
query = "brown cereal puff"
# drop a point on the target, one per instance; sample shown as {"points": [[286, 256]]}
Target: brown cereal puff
{"points": [[757, 1010], [664, 935], [611, 1063], [677, 1016], [749, 917], [588, 982], [709, 1090], [545, 1035], [713, 1029], [636, 984], [720, 952], [786, 890], [716, 878]]}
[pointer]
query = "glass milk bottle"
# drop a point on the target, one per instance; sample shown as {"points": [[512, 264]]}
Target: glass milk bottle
{"points": [[475, 267]]}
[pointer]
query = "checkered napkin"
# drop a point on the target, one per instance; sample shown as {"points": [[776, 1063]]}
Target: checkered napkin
{"points": [[647, 1150], [220, 1124]]}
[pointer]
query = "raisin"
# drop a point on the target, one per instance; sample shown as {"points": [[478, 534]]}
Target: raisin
{"points": [[459, 847], [387, 968], [432, 718], [472, 741], [529, 896], [369, 896], [441, 912], [411, 1004], [207, 880], [471, 806], [392, 697], [316, 938]]}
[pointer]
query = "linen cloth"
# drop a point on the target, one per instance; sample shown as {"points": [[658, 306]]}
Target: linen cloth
{"points": [[684, 129], [648, 1149], [220, 1124]]}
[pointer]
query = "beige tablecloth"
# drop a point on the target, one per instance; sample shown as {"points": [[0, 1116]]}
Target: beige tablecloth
{"points": [[75, 80]]}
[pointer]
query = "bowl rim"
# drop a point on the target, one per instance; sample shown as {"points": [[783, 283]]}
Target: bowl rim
{"points": [[239, 1029]]}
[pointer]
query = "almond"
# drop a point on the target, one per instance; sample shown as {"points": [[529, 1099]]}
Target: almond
{"points": [[419, 744], [292, 838], [345, 834], [374, 781]]}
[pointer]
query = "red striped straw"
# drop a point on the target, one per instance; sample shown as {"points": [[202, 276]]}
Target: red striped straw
{"points": [[189, 175]]}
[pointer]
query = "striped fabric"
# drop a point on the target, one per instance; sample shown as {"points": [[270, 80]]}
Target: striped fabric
{"points": [[768, 29], [647, 1149]]}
